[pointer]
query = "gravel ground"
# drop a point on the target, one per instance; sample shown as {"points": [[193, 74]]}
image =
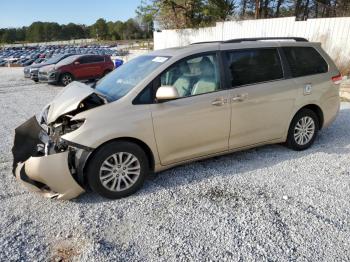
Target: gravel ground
{"points": [[267, 203]]}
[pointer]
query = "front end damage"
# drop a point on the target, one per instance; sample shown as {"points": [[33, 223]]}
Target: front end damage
{"points": [[46, 163]]}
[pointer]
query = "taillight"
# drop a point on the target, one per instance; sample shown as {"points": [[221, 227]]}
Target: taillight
{"points": [[337, 79]]}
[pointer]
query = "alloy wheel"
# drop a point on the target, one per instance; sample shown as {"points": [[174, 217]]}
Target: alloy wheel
{"points": [[66, 79], [304, 130], [120, 171]]}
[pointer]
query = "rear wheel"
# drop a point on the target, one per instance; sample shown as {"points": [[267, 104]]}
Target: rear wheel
{"points": [[117, 170], [66, 79], [303, 130]]}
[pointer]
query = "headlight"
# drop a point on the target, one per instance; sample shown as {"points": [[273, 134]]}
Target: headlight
{"points": [[42, 117], [32, 70], [65, 126], [75, 124]]}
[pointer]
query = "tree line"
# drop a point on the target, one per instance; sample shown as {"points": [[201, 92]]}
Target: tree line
{"points": [[101, 30], [177, 14]]}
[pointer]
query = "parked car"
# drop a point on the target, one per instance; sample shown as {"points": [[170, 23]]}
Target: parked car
{"points": [[33, 70], [77, 67], [14, 54], [173, 106]]}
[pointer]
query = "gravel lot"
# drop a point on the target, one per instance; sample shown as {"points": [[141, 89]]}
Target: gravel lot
{"points": [[268, 203]]}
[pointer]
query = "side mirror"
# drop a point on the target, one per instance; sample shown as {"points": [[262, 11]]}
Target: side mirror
{"points": [[76, 63], [167, 93]]}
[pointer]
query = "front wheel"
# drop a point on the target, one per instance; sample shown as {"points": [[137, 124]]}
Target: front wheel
{"points": [[66, 79], [117, 169], [303, 130]]}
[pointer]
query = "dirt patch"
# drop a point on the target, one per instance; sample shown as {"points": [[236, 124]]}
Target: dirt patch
{"points": [[66, 250]]}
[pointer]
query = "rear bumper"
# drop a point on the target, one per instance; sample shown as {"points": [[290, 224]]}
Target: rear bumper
{"points": [[48, 174], [330, 108]]}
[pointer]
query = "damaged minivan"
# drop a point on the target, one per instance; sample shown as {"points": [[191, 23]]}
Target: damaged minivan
{"points": [[173, 106]]}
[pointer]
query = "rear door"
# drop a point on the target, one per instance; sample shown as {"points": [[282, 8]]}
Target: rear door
{"points": [[97, 66], [82, 69], [89, 67], [262, 99]]}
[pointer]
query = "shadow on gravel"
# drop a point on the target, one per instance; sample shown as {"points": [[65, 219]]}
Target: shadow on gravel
{"points": [[332, 140]]}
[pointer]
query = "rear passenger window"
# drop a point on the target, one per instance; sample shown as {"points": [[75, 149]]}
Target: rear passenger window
{"points": [[254, 66], [85, 60], [96, 59], [305, 61]]}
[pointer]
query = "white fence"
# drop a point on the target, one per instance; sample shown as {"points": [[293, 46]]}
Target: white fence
{"points": [[333, 33]]}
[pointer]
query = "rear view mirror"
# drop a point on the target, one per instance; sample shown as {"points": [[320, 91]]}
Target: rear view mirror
{"points": [[77, 63], [167, 93]]}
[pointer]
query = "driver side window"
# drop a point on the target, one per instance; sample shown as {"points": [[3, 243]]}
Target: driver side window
{"points": [[193, 76]]}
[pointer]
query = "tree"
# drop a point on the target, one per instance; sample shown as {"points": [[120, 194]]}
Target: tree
{"points": [[120, 29], [9, 36], [146, 16], [36, 32], [100, 29], [278, 7], [132, 30], [219, 10]]}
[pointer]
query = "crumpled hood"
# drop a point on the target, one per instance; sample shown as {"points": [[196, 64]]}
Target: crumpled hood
{"points": [[68, 100]]}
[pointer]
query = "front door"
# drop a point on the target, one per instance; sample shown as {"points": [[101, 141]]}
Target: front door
{"points": [[198, 122]]}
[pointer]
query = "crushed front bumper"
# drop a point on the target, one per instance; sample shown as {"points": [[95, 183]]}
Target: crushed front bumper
{"points": [[49, 174]]}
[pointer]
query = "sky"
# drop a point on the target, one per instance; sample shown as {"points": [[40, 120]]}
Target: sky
{"points": [[18, 13]]}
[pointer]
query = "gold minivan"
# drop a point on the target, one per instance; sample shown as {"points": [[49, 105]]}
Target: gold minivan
{"points": [[177, 105]]}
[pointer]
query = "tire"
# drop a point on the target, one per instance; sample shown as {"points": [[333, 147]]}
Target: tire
{"points": [[36, 80], [303, 130], [66, 79], [102, 167]]}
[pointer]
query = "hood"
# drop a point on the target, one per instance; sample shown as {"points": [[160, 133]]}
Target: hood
{"points": [[39, 65], [69, 99]]}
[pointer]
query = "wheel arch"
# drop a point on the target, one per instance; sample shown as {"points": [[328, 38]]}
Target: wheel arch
{"points": [[317, 110], [143, 145], [60, 74]]}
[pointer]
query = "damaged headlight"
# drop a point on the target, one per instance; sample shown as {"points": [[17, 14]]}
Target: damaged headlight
{"points": [[42, 118], [66, 126], [58, 129]]}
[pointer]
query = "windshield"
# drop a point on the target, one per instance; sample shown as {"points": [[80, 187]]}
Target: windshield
{"points": [[118, 83], [68, 60], [55, 59]]}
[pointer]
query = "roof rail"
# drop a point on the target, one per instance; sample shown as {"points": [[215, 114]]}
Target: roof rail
{"points": [[206, 42], [239, 40]]}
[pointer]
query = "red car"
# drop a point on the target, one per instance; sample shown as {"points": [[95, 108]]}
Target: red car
{"points": [[76, 67]]}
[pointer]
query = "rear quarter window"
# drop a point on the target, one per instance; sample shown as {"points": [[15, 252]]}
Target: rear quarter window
{"points": [[304, 61]]}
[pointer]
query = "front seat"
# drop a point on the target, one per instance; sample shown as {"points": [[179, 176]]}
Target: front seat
{"points": [[183, 83], [207, 82]]}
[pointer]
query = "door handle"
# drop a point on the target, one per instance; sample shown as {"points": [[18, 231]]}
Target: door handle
{"points": [[219, 102], [239, 98]]}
